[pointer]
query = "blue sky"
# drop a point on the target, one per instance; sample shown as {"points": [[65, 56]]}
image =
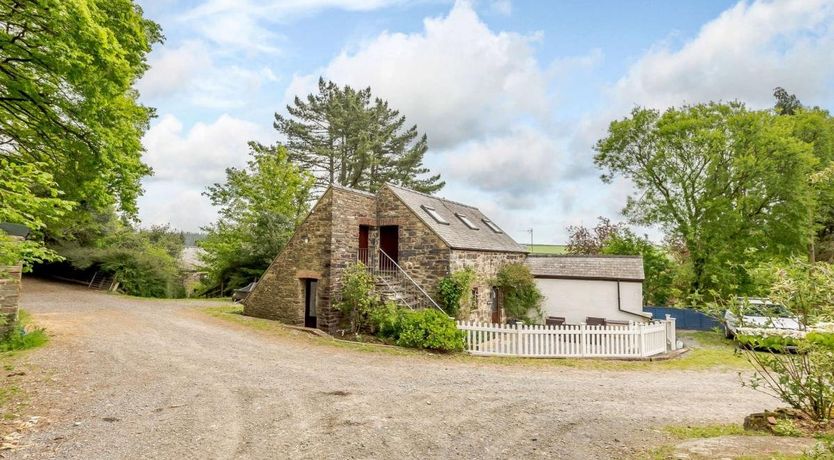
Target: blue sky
{"points": [[512, 94]]}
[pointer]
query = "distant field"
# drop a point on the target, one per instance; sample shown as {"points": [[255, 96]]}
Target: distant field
{"points": [[547, 249]]}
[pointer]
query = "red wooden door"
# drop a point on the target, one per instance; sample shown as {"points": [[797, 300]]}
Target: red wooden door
{"points": [[363, 244], [389, 236]]}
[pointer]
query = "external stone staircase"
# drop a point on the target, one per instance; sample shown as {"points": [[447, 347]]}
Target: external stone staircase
{"points": [[393, 283]]}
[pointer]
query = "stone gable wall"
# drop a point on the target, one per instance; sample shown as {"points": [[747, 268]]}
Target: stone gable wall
{"points": [[421, 252], [486, 266], [9, 296], [279, 294], [350, 210]]}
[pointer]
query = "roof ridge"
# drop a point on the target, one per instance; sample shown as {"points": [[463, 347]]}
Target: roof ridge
{"points": [[431, 196], [351, 189]]}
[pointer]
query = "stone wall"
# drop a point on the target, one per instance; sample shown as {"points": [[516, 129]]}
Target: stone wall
{"points": [[351, 208], [421, 252], [486, 266], [279, 294], [9, 296]]}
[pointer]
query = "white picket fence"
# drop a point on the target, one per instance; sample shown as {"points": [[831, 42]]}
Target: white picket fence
{"points": [[579, 340]]}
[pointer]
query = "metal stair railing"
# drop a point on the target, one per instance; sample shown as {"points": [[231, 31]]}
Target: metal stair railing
{"points": [[397, 280]]}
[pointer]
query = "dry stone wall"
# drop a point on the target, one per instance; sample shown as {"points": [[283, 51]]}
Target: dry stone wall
{"points": [[10, 280]]}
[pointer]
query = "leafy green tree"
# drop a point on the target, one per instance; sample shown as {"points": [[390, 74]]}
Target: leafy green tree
{"points": [[346, 137], [816, 127], [28, 196], [658, 267], [729, 183], [617, 239], [67, 105], [786, 103], [260, 206], [145, 262], [588, 241]]}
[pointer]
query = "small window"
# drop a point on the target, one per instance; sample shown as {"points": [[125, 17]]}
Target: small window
{"points": [[492, 226], [434, 215], [466, 221]]}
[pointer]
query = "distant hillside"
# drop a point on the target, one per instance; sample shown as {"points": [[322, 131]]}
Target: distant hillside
{"points": [[547, 248]]}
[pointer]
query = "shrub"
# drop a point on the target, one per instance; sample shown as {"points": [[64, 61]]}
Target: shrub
{"points": [[798, 371], [429, 329], [358, 296], [386, 320], [455, 290], [795, 367], [23, 336], [522, 298], [143, 262]]}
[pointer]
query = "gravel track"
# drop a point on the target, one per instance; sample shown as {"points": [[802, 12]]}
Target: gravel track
{"points": [[132, 378]]}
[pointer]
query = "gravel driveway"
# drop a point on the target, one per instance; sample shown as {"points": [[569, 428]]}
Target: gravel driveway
{"points": [[132, 378]]}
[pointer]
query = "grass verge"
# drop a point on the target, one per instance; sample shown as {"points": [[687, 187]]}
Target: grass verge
{"points": [[24, 337], [712, 350]]}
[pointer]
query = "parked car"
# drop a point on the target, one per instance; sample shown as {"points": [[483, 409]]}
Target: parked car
{"points": [[760, 314], [240, 294]]}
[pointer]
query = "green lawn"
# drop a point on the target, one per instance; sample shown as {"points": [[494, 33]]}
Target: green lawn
{"points": [[547, 248], [712, 350]]}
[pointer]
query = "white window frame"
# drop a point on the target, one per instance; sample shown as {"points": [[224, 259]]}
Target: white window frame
{"points": [[492, 226], [466, 221], [434, 215]]}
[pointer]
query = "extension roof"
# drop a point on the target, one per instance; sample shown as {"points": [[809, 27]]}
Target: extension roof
{"points": [[614, 268]]}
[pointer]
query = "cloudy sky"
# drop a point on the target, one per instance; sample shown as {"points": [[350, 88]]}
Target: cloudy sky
{"points": [[512, 94]]}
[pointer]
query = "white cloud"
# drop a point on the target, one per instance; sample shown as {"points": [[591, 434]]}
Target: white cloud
{"points": [[181, 206], [743, 54], [246, 25], [185, 162], [200, 155], [173, 69], [516, 168], [503, 7], [197, 76], [456, 79]]}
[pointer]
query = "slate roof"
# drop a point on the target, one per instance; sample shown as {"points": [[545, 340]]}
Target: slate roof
{"points": [[457, 234], [622, 268]]}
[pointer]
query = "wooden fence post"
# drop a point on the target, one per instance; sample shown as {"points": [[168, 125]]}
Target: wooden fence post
{"points": [[671, 332], [642, 339], [582, 340]]}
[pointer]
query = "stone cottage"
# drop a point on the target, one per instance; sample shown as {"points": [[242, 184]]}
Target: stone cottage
{"points": [[408, 240]]}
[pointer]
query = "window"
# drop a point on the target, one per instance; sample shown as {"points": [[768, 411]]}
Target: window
{"points": [[466, 221], [492, 226], [434, 215]]}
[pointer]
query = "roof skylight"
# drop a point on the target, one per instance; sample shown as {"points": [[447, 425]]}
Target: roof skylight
{"points": [[466, 221], [434, 215], [492, 226]]}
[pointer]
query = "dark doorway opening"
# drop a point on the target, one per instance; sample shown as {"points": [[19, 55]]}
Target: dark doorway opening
{"points": [[364, 231], [310, 312], [389, 236]]}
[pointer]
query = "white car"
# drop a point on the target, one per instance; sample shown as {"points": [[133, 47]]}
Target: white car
{"points": [[761, 315]]}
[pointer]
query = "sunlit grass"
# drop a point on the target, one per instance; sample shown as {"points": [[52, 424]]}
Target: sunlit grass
{"points": [[712, 352]]}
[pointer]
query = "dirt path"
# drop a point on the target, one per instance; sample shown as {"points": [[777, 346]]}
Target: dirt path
{"points": [[132, 378]]}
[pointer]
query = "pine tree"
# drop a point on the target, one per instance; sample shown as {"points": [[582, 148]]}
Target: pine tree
{"points": [[345, 136]]}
